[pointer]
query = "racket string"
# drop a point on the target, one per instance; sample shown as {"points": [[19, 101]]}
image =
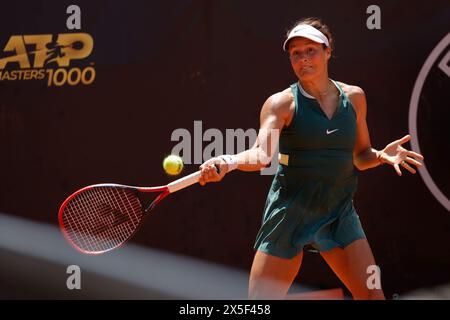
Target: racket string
{"points": [[117, 233], [102, 218], [81, 224], [105, 201], [120, 223], [95, 232], [85, 224], [122, 230]]}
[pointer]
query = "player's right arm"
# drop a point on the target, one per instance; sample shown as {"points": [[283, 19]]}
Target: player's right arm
{"points": [[275, 114]]}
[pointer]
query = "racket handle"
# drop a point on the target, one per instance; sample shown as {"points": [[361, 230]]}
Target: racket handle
{"points": [[186, 181], [183, 182]]}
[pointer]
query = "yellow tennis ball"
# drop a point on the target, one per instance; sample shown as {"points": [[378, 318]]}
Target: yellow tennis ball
{"points": [[173, 165]]}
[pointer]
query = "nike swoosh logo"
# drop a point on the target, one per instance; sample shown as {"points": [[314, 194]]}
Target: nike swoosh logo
{"points": [[329, 132]]}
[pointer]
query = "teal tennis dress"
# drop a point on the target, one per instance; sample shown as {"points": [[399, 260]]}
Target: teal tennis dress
{"points": [[310, 201]]}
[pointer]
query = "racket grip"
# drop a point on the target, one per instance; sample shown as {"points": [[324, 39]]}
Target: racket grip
{"points": [[186, 181]]}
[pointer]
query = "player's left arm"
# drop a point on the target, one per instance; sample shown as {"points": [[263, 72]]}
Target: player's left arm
{"points": [[366, 157]]}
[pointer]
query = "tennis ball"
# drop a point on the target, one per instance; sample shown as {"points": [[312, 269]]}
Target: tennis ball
{"points": [[173, 165]]}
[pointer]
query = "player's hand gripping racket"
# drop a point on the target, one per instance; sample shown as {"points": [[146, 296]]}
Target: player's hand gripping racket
{"points": [[102, 217]]}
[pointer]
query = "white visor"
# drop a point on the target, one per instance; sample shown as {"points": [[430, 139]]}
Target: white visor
{"points": [[306, 31]]}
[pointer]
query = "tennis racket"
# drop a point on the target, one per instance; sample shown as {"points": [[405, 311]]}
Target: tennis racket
{"points": [[102, 217]]}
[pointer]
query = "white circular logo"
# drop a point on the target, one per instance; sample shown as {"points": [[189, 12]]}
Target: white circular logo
{"points": [[444, 67]]}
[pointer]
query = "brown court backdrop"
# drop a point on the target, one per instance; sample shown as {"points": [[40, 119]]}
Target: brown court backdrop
{"points": [[161, 65]]}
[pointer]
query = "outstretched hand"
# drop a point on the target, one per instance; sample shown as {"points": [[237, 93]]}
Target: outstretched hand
{"points": [[395, 155]]}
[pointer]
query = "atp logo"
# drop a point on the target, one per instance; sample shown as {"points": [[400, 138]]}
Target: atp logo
{"points": [[429, 114], [36, 57]]}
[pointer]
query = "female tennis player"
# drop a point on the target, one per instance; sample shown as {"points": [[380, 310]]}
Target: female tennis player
{"points": [[321, 130]]}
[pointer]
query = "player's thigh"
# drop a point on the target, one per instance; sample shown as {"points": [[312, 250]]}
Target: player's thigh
{"points": [[351, 264], [271, 276]]}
